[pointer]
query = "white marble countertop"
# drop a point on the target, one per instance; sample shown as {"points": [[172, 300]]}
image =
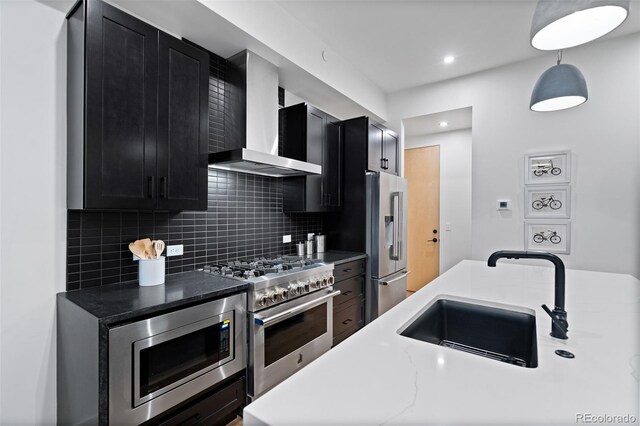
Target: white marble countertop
{"points": [[379, 377]]}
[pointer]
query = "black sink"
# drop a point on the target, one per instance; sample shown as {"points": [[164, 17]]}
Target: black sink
{"points": [[498, 333]]}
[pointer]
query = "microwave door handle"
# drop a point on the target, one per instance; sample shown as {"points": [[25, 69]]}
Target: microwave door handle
{"points": [[265, 321], [395, 199]]}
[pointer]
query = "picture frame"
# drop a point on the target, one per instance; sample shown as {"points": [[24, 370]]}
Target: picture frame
{"points": [[550, 202], [547, 168], [553, 236]]}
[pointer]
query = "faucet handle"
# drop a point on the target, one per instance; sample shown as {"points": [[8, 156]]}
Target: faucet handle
{"points": [[560, 326]]}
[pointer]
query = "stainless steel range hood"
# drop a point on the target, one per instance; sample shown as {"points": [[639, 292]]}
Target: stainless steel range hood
{"points": [[252, 133]]}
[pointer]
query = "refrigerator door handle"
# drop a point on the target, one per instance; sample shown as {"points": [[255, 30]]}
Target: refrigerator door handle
{"points": [[395, 279], [401, 225], [395, 245]]}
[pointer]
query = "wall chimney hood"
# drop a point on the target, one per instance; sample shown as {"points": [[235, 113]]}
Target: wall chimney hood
{"points": [[251, 122]]}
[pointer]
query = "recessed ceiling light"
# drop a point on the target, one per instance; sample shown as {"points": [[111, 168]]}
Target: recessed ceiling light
{"points": [[443, 124], [449, 59]]}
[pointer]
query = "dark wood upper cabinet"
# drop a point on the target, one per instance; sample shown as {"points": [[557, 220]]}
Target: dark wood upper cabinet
{"points": [[375, 159], [137, 114], [183, 121], [314, 136], [380, 145], [390, 151]]}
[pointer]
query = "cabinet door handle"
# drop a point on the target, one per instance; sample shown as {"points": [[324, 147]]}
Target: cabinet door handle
{"points": [[347, 321], [163, 187], [151, 186]]}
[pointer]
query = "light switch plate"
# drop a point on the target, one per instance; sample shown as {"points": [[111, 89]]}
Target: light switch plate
{"points": [[176, 250], [286, 238]]}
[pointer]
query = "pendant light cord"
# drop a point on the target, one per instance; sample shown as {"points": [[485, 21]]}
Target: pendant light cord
{"points": [[559, 57]]}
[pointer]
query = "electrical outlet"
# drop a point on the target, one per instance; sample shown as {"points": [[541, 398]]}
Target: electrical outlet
{"points": [[286, 238], [447, 226], [503, 204], [176, 250]]}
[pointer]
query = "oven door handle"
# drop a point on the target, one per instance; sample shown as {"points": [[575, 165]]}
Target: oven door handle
{"points": [[259, 320]]}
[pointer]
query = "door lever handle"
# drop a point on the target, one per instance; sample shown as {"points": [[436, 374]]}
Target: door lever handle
{"points": [[435, 240]]}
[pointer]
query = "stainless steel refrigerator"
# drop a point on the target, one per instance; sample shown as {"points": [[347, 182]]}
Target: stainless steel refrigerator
{"points": [[386, 242]]}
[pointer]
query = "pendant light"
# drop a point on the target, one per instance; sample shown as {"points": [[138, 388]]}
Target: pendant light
{"points": [[559, 24], [560, 87]]}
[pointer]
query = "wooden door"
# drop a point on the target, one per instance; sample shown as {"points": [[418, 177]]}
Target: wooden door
{"points": [[422, 171], [121, 110], [183, 125]]}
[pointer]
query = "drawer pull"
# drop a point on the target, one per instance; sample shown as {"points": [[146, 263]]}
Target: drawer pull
{"points": [[346, 293], [347, 321], [347, 270]]}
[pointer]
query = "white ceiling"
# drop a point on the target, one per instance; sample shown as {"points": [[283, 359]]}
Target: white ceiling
{"points": [[457, 119], [401, 43]]}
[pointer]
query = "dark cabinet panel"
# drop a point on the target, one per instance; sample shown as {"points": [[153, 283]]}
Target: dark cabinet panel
{"points": [[375, 157], [312, 135], [390, 152], [183, 82], [348, 306], [121, 103], [332, 157], [143, 141]]}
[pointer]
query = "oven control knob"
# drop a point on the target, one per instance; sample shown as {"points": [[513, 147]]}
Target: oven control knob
{"points": [[261, 299], [306, 286], [318, 283], [272, 296], [293, 289], [331, 280], [281, 293]]}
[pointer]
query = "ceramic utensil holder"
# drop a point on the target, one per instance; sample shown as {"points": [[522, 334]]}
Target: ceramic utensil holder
{"points": [[151, 271]]}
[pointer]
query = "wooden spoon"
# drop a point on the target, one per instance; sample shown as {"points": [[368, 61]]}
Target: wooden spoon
{"points": [[148, 248], [138, 249]]}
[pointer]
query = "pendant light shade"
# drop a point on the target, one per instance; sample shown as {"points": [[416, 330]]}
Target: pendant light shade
{"points": [[560, 87], [559, 24]]}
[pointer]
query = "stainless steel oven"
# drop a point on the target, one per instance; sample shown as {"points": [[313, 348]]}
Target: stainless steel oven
{"points": [[288, 336], [160, 362]]}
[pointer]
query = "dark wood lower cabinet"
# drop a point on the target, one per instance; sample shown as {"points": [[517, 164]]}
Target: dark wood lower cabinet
{"points": [[214, 407], [348, 306]]}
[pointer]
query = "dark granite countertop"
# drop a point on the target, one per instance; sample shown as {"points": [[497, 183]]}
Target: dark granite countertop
{"points": [[120, 302], [339, 257]]}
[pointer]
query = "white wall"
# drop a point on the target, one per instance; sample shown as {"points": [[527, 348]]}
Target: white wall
{"points": [[33, 212], [603, 135], [455, 192]]}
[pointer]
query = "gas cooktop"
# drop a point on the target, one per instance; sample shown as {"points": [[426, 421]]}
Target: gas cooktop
{"points": [[275, 280], [249, 269]]}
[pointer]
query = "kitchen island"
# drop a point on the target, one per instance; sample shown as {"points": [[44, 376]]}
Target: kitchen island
{"points": [[379, 377]]}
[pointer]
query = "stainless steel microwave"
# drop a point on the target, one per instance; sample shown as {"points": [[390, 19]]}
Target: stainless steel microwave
{"points": [[157, 363]]}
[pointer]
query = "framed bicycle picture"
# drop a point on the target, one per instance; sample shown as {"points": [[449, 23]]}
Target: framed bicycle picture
{"points": [[550, 202], [541, 169], [546, 235]]}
